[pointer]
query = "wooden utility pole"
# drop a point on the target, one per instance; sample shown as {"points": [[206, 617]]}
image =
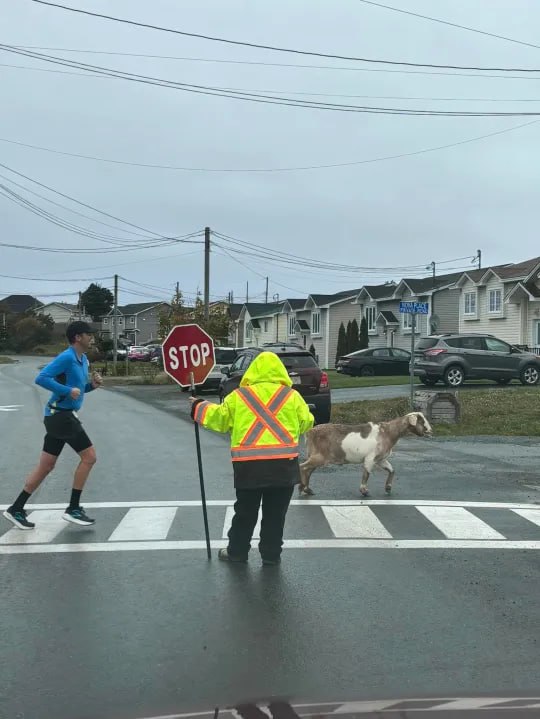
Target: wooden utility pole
{"points": [[266, 293], [206, 273], [115, 324], [247, 291], [479, 258]]}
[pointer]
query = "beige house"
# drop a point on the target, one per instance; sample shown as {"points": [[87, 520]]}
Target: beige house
{"points": [[63, 313], [503, 301]]}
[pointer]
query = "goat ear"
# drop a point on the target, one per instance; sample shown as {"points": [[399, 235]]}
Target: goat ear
{"points": [[413, 419]]}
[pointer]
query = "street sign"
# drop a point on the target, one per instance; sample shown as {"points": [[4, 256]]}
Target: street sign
{"points": [[414, 308], [188, 350]]}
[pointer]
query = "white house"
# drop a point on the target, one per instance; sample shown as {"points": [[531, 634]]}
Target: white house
{"points": [[503, 301], [63, 313]]}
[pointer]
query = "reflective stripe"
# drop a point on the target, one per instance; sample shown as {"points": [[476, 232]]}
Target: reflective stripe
{"points": [[200, 411], [265, 419], [275, 403], [240, 454]]}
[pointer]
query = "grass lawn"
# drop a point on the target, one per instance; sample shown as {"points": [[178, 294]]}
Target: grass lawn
{"points": [[339, 381], [508, 412], [6, 360]]}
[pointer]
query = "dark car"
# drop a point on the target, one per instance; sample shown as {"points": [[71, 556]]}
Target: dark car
{"points": [[370, 362], [305, 373], [455, 358]]}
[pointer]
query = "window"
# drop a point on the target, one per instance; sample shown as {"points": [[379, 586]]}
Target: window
{"points": [[495, 301], [381, 353], [105, 320], [132, 320], [120, 320], [292, 325], [265, 325], [407, 321], [494, 345], [470, 303], [401, 354], [371, 318], [315, 323], [472, 343], [249, 332], [240, 363], [300, 361]]}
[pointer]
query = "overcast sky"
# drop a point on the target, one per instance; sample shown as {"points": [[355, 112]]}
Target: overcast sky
{"points": [[403, 212]]}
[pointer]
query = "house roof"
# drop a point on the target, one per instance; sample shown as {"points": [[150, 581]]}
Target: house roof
{"points": [[320, 300], [519, 270], [64, 305], [297, 304], [235, 309], [302, 325], [388, 317], [20, 303], [426, 284], [139, 307], [378, 292], [261, 309]]}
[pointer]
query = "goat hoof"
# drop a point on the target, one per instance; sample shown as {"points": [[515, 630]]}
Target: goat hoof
{"points": [[307, 492], [388, 490], [364, 493]]}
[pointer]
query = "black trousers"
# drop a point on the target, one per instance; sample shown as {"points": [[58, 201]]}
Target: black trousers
{"points": [[275, 502]]}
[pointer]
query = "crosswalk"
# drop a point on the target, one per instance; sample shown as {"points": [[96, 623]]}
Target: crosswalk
{"points": [[311, 524]]}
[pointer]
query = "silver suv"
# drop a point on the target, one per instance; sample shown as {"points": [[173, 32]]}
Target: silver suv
{"points": [[454, 358]]}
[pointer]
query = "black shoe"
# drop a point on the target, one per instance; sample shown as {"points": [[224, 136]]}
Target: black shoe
{"points": [[271, 562], [224, 556], [18, 518], [77, 515]]}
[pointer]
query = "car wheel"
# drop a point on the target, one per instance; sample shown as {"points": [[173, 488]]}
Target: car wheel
{"points": [[367, 371], [322, 417], [454, 376], [428, 381], [503, 381], [530, 375]]}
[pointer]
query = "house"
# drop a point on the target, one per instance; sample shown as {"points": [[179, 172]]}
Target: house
{"points": [[387, 327], [63, 313], [137, 323], [19, 304], [260, 322], [503, 300]]}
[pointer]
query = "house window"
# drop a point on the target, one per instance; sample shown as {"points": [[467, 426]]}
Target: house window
{"points": [[495, 301], [249, 332], [315, 323], [292, 325], [470, 303], [265, 325], [120, 320], [105, 320], [407, 321], [371, 318], [132, 320]]}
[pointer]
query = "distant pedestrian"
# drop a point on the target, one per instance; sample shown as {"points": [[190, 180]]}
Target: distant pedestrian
{"points": [[265, 418], [67, 378]]}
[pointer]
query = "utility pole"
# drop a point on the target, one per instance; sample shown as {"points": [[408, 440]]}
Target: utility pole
{"points": [[479, 258], [266, 293], [80, 305], [247, 292], [206, 273], [115, 324]]}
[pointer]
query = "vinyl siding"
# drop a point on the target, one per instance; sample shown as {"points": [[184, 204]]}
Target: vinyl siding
{"points": [[507, 325], [343, 312], [446, 307]]}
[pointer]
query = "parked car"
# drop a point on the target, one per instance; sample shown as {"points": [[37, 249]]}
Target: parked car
{"points": [[380, 361], [305, 373], [455, 358], [224, 356], [120, 354], [140, 354]]}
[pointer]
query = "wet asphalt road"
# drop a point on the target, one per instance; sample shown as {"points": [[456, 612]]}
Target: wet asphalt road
{"points": [[157, 629]]}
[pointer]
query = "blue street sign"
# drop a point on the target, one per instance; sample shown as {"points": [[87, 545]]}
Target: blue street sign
{"points": [[414, 308]]}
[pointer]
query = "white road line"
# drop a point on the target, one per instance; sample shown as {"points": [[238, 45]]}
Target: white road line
{"points": [[288, 544], [458, 523], [295, 502], [355, 522], [228, 519], [533, 515], [144, 523], [48, 525]]}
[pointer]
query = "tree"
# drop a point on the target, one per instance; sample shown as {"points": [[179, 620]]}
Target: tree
{"points": [[341, 343], [349, 338], [178, 314], [31, 331], [312, 350], [218, 324], [364, 336], [355, 341], [97, 301]]}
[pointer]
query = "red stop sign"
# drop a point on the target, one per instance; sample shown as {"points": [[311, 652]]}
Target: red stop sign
{"points": [[187, 349]]}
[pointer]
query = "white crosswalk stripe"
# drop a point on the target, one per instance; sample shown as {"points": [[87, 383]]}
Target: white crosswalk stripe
{"points": [[144, 523], [361, 524], [459, 523], [355, 522]]}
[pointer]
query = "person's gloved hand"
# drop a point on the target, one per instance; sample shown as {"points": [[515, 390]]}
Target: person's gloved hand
{"points": [[194, 401]]}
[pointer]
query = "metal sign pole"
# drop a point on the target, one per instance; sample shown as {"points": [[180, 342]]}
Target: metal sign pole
{"points": [[411, 368], [201, 478]]}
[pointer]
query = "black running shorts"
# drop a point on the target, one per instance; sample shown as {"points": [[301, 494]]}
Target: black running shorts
{"points": [[64, 428]]}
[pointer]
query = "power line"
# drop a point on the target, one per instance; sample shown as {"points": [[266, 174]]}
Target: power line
{"points": [[273, 48], [270, 169], [257, 97], [256, 63], [44, 279], [451, 24]]}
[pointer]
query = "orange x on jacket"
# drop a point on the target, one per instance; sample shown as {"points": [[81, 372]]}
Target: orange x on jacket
{"points": [[264, 415]]}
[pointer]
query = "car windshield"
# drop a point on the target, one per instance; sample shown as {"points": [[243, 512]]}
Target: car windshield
{"points": [[426, 343], [224, 356]]}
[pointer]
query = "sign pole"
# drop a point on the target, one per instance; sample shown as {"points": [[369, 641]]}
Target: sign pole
{"points": [[411, 367], [201, 478]]}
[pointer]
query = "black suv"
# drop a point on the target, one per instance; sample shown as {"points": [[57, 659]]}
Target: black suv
{"points": [[454, 358], [305, 373]]}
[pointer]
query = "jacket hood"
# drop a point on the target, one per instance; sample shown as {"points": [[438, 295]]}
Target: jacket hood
{"points": [[266, 367]]}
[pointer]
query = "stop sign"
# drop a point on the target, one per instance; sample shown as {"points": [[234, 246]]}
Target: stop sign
{"points": [[186, 349]]}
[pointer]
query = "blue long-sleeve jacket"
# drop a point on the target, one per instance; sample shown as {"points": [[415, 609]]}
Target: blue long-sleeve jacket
{"points": [[60, 376]]}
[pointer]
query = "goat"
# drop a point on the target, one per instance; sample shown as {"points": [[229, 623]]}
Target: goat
{"points": [[369, 444]]}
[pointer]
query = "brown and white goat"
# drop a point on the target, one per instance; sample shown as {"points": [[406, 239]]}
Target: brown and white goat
{"points": [[369, 444]]}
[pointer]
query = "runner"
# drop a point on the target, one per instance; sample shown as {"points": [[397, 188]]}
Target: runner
{"points": [[67, 378]]}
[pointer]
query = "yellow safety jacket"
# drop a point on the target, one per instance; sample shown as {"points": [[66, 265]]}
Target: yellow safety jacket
{"points": [[264, 415]]}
